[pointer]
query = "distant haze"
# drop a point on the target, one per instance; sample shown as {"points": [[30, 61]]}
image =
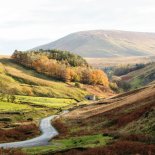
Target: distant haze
{"points": [[25, 24], [101, 43]]}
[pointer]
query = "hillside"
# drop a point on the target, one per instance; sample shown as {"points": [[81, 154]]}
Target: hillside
{"points": [[102, 43], [127, 119], [27, 96], [126, 99], [138, 78], [61, 65], [20, 80]]}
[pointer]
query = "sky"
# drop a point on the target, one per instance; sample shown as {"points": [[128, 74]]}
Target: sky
{"points": [[25, 24]]}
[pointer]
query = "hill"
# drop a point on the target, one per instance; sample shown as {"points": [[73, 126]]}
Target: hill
{"points": [[26, 97], [61, 65], [102, 43], [137, 78], [20, 80], [127, 119]]}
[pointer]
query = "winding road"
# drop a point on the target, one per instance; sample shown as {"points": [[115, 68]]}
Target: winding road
{"points": [[47, 130]]}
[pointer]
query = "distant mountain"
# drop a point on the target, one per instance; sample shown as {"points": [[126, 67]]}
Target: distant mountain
{"points": [[101, 43]]}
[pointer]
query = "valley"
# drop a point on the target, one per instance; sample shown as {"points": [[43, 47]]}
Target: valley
{"points": [[77, 77], [27, 96], [110, 104], [128, 77], [127, 120]]}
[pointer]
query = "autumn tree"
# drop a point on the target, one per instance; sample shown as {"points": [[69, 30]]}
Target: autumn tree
{"points": [[61, 65]]}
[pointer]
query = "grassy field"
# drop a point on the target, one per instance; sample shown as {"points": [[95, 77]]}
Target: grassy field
{"points": [[12, 107], [46, 102], [20, 120], [73, 142], [25, 107]]}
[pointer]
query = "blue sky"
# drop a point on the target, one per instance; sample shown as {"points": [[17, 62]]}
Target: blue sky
{"points": [[25, 24]]}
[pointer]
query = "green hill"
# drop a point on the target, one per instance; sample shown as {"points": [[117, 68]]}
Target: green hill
{"points": [[22, 81], [140, 77], [19, 80]]}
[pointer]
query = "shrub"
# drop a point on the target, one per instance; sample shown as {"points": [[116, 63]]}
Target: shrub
{"points": [[62, 129], [78, 85], [113, 86], [11, 152], [19, 133]]}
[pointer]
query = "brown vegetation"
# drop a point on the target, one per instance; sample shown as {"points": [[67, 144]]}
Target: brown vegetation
{"points": [[139, 138], [19, 133], [11, 152], [112, 115], [61, 127], [137, 97]]}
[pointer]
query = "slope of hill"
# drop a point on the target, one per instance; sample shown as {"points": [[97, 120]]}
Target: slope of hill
{"points": [[19, 80], [22, 81], [101, 43], [61, 65], [138, 78], [127, 118]]}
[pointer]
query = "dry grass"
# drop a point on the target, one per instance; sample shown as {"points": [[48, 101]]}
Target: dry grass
{"points": [[102, 106], [114, 114], [19, 133], [11, 152]]}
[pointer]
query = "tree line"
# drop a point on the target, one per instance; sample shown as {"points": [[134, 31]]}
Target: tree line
{"points": [[61, 65]]}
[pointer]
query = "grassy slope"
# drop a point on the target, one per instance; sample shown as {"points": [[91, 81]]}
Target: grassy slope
{"points": [[37, 96], [23, 81], [120, 117], [19, 120], [117, 113], [25, 107], [140, 77], [11, 107], [28, 82], [46, 102], [74, 142]]}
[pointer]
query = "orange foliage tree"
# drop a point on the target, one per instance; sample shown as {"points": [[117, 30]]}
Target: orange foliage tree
{"points": [[61, 69]]}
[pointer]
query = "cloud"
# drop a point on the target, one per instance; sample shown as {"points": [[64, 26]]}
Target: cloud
{"points": [[41, 20]]}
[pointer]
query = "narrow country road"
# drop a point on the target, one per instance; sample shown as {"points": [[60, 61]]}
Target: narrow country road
{"points": [[47, 130]]}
